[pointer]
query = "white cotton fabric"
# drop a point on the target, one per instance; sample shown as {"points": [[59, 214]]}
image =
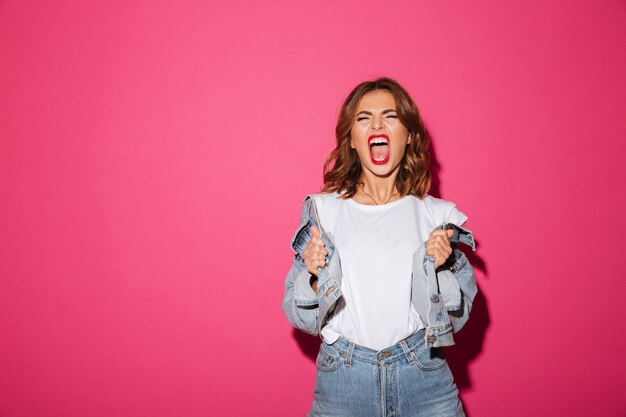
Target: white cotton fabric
{"points": [[376, 246]]}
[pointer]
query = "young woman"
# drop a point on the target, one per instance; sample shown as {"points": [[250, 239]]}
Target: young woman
{"points": [[377, 272]]}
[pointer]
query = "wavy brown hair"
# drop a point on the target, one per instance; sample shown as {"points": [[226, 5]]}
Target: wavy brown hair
{"points": [[414, 174]]}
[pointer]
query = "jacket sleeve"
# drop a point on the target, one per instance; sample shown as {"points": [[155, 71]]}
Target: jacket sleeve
{"points": [[302, 314], [300, 303], [464, 274]]}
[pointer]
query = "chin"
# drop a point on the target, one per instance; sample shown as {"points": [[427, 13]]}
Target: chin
{"points": [[382, 170]]}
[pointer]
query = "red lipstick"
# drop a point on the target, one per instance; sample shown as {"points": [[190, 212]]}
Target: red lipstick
{"points": [[385, 139]]}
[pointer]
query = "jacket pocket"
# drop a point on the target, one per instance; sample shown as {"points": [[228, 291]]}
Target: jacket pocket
{"points": [[328, 358], [301, 239]]}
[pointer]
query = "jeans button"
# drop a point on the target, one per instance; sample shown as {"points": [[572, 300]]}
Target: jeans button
{"points": [[435, 298], [432, 339]]}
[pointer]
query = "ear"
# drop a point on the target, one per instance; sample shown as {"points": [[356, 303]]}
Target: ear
{"points": [[352, 144], [408, 139]]}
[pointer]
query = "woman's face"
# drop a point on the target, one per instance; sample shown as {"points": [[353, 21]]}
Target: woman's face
{"points": [[377, 134]]}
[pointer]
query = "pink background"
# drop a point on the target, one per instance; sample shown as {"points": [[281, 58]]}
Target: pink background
{"points": [[153, 160]]}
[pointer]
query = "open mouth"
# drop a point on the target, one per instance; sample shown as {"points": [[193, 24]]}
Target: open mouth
{"points": [[379, 148]]}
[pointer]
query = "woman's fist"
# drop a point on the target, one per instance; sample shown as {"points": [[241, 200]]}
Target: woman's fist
{"points": [[315, 252], [438, 245]]}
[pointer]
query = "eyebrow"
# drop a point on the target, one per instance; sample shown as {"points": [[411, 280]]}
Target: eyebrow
{"points": [[369, 113]]}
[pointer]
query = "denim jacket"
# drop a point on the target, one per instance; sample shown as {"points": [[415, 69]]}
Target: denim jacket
{"points": [[442, 299]]}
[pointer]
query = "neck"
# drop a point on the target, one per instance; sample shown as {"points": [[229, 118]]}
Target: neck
{"points": [[381, 189]]}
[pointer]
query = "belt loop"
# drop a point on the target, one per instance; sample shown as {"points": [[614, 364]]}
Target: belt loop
{"points": [[349, 355], [407, 352]]}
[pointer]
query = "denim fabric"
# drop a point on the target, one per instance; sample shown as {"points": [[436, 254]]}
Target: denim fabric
{"points": [[436, 297], [443, 303], [407, 379], [305, 309]]}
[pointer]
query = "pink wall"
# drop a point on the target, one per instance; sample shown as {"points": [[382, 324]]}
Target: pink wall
{"points": [[153, 159]]}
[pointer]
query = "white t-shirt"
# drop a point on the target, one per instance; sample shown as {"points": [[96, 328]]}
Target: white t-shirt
{"points": [[376, 246]]}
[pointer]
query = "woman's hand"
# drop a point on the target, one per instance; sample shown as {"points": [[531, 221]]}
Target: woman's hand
{"points": [[315, 252], [438, 245]]}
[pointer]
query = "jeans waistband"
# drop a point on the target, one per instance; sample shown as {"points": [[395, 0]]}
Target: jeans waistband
{"points": [[404, 349]]}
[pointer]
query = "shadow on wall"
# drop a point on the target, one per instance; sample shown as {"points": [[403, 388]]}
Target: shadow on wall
{"points": [[469, 341]]}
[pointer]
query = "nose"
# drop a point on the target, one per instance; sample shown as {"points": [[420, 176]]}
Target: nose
{"points": [[377, 123]]}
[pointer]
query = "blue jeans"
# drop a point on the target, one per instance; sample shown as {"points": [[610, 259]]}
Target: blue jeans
{"points": [[406, 379]]}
